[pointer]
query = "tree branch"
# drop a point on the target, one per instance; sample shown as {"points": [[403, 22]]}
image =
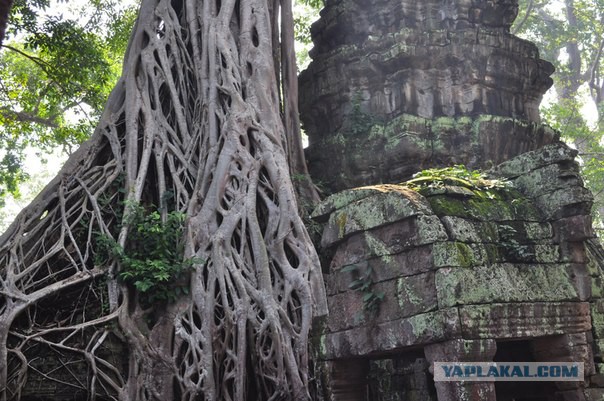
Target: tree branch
{"points": [[26, 117], [518, 27]]}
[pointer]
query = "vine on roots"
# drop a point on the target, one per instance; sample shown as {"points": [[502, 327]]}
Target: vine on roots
{"points": [[196, 116]]}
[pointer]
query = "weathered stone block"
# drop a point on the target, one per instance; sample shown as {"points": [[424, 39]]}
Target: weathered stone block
{"points": [[464, 230], [597, 318], [464, 351], [395, 204], [389, 240], [459, 254], [573, 252], [594, 394], [461, 350], [399, 334], [403, 297], [523, 320], [387, 267], [548, 179], [504, 283], [572, 347], [472, 208], [582, 281], [525, 163], [565, 202], [546, 253], [350, 196], [574, 228]]}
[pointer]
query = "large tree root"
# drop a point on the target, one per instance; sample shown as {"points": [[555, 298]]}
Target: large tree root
{"points": [[196, 115]]}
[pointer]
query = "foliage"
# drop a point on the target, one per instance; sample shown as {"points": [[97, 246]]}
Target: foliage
{"points": [[305, 13], [509, 243], [457, 175], [153, 260], [359, 122], [570, 35], [56, 73], [364, 283]]}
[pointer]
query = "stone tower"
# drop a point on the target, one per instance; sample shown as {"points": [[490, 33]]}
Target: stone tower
{"points": [[397, 86]]}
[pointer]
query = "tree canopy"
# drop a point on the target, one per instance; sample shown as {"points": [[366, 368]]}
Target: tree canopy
{"points": [[56, 73]]}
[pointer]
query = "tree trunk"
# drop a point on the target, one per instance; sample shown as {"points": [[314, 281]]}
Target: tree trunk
{"points": [[5, 7], [192, 126]]}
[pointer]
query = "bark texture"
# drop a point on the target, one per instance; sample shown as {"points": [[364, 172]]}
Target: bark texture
{"points": [[196, 116], [5, 6]]}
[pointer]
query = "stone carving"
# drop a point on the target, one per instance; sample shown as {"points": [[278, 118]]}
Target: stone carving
{"points": [[392, 89]]}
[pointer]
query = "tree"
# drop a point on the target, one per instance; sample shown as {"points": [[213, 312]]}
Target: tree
{"points": [[570, 34], [55, 75], [191, 129]]}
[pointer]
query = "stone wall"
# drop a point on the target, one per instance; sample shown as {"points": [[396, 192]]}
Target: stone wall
{"points": [[462, 272]]}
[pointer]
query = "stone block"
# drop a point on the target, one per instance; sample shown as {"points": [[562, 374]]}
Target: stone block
{"points": [[387, 267], [344, 198], [565, 202], [597, 318], [597, 380], [403, 297], [594, 394], [529, 161], [395, 204], [461, 350], [574, 229], [472, 208], [572, 347], [463, 230], [391, 336], [573, 252], [459, 254], [582, 281], [504, 283], [548, 179], [389, 240], [524, 320]]}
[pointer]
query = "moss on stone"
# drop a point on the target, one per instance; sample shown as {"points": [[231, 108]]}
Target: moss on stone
{"points": [[427, 324], [405, 291], [466, 256], [504, 283], [444, 205]]}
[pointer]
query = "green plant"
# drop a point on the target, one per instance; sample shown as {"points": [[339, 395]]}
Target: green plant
{"points": [[153, 259], [364, 283], [508, 241], [360, 122], [457, 175]]}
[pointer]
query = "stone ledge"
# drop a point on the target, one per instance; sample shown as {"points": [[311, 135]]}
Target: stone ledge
{"points": [[420, 329], [505, 283], [524, 320]]}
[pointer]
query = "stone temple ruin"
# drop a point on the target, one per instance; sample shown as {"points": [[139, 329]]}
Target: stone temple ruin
{"points": [[459, 273], [397, 87]]}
